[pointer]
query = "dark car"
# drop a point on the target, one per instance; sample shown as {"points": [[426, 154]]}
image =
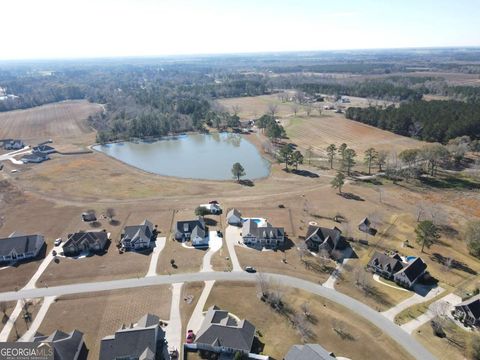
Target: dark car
{"points": [[190, 336], [219, 234], [250, 269]]}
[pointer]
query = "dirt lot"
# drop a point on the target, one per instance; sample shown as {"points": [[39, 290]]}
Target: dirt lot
{"points": [[107, 311], [364, 341], [62, 122]]}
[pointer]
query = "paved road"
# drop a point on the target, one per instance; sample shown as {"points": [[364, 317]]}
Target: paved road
{"points": [[392, 330]]}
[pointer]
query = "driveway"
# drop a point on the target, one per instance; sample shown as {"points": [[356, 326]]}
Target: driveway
{"points": [[413, 300], [232, 236], [377, 319], [197, 315], [28, 336], [173, 333], [157, 250], [214, 244]]}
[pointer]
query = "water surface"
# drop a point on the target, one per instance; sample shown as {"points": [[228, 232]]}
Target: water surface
{"points": [[196, 156]]}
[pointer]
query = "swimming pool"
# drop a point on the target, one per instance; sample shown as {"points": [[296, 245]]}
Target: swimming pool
{"points": [[410, 258], [258, 221]]}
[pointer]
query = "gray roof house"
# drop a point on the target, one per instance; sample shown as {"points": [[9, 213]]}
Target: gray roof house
{"points": [[136, 237], [81, 242], [364, 225], [234, 217], [194, 230], [321, 238], [19, 247], [309, 352], [144, 340], [393, 267], [262, 236], [65, 346], [44, 149], [13, 144], [36, 157], [221, 333], [468, 311]]}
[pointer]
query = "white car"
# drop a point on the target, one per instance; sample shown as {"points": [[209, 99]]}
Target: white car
{"points": [[57, 242]]}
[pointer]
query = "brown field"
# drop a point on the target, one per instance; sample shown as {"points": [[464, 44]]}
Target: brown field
{"points": [[62, 122], [107, 311], [457, 345], [278, 334], [20, 326], [6, 311]]}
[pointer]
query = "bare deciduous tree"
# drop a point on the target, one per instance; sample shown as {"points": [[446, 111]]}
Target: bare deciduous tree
{"points": [[303, 327], [295, 108], [236, 109], [263, 284], [272, 109], [308, 109]]}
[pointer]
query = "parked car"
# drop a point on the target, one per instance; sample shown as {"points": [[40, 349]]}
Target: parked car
{"points": [[190, 336], [250, 269], [54, 253], [219, 234], [57, 242]]}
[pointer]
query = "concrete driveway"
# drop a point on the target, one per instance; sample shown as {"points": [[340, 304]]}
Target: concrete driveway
{"points": [[232, 236]]}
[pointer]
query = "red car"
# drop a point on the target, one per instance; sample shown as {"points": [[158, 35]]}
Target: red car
{"points": [[190, 336]]}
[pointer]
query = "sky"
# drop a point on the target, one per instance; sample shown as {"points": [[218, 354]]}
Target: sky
{"points": [[46, 29]]}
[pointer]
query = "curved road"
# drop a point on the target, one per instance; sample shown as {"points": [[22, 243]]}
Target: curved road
{"points": [[389, 328]]}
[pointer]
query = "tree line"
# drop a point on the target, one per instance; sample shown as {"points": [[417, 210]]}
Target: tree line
{"points": [[435, 121]]}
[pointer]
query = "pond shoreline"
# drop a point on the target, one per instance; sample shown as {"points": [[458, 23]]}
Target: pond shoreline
{"points": [[267, 163]]}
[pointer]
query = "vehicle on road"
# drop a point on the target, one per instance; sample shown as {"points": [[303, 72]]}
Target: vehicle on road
{"points": [[250, 269], [190, 336], [219, 234]]}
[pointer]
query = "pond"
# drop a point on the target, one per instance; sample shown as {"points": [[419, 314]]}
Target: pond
{"points": [[195, 156]]}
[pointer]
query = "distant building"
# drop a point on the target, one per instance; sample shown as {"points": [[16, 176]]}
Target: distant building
{"points": [[144, 340], [261, 236], [393, 267], [20, 247], [15, 144], [309, 352], [65, 346], [468, 312], [138, 237], [85, 242], [221, 333], [44, 149], [194, 230], [35, 157]]}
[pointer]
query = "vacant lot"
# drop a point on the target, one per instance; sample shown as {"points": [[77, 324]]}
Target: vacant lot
{"points": [[107, 311], [21, 325], [364, 341], [62, 122]]}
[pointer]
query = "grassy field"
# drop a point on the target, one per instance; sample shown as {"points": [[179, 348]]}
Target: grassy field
{"points": [[107, 311], [365, 341], [64, 123]]}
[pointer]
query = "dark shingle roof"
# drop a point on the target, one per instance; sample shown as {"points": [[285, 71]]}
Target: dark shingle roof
{"points": [[323, 233], [387, 263], [266, 232], [21, 243], [189, 225], [220, 329], [138, 341], [473, 304], [414, 269], [143, 232], [308, 352], [65, 345]]}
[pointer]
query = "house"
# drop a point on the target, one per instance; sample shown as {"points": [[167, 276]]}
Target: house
{"points": [[364, 225], [468, 311], [194, 230], [137, 237], [264, 235], [81, 242], [221, 333], [19, 247], [35, 157], [144, 340], [411, 272], [324, 239], [393, 267], [234, 217], [44, 149], [14, 144], [65, 346], [308, 352]]}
